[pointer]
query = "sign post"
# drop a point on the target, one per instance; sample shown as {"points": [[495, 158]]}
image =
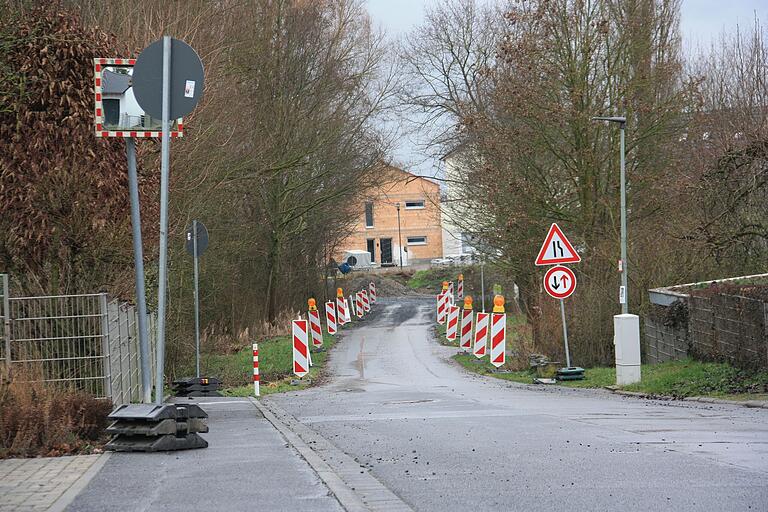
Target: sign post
{"points": [[559, 281], [167, 84], [197, 243]]}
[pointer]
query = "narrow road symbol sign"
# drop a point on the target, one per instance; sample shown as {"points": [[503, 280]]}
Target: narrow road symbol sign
{"points": [[560, 282], [556, 249]]}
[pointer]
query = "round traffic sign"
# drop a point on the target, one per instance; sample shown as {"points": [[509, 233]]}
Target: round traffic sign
{"points": [[186, 81], [560, 282], [202, 239]]}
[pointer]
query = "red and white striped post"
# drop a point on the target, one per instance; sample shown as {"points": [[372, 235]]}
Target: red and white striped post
{"points": [[372, 292], [359, 305], [366, 300], [442, 303], [313, 315], [300, 347], [450, 290], [351, 306], [330, 317], [452, 328], [341, 307], [460, 287], [256, 390], [498, 332], [466, 325], [481, 334]]}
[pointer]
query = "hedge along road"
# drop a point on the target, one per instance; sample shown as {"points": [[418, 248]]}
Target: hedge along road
{"points": [[443, 439]]}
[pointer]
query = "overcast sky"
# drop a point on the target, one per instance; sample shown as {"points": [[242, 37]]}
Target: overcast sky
{"points": [[701, 21]]}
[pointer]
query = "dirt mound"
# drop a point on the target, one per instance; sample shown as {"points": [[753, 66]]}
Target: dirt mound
{"points": [[385, 286]]}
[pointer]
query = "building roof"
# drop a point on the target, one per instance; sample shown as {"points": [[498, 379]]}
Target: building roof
{"points": [[411, 176], [114, 83]]}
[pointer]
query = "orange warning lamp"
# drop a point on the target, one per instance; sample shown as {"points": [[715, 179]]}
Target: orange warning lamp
{"points": [[312, 303], [461, 277], [467, 302], [340, 293], [498, 304], [445, 285]]}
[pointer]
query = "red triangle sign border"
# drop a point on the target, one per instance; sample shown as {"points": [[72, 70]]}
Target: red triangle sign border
{"points": [[554, 229]]}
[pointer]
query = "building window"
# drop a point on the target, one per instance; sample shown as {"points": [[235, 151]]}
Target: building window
{"points": [[417, 240], [414, 205], [371, 247], [369, 215]]}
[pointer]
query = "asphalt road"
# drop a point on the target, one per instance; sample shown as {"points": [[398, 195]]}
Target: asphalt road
{"points": [[443, 439]]}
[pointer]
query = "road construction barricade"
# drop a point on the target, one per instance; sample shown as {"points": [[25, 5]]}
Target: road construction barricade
{"points": [[330, 317], [481, 334], [452, 327], [299, 332], [465, 339], [372, 292], [498, 332]]}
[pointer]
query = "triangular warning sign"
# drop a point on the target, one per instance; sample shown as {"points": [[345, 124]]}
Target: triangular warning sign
{"points": [[556, 249]]}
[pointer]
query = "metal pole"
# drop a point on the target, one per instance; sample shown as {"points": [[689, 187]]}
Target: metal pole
{"points": [[7, 324], [106, 347], [399, 237], [164, 179], [197, 299], [138, 263], [625, 304], [482, 282], [565, 335]]}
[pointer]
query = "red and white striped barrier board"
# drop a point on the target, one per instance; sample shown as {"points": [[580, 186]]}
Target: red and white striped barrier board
{"points": [[450, 288], [299, 329], [314, 327], [466, 329], [351, 306], [256, 390], [441, 308], [330, 317], [348, 309], [366, 301], [460, 289], [498, 341], [452, 328], [481, 335], [341, 309], [359, 311], [372, 292]]}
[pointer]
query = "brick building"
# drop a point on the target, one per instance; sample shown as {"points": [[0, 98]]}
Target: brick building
{"points": [[376, 227]]}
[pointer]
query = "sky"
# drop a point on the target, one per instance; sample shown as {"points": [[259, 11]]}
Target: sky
{"points": [[701, 22]]}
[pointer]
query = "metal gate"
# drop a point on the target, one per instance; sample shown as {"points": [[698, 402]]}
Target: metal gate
{"points": [[83, 341]]}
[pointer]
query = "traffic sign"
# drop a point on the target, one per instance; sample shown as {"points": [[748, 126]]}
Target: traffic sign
{"points": [[556, 249], [560, 282], [186, 79], [202, 239]]}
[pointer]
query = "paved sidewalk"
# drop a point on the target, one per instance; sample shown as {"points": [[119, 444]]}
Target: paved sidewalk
{"points": [[28, 485], [248, 465]]}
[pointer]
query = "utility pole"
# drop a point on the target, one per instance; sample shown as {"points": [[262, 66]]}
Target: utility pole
{"points": [[624, 290], [399, 236]]}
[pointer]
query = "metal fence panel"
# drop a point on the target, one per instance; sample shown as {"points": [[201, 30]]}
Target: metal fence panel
{"points": [[85, 342]]}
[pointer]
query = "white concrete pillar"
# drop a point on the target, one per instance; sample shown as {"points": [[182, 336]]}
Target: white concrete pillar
{"points": [[626, 341]]}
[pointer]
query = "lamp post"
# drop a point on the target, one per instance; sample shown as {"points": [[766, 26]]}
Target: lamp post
{"points": [[399, 237], [624, 290]]}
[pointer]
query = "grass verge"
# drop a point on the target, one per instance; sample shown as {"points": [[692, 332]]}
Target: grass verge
{"points": [[677, 379], [275, 367]]}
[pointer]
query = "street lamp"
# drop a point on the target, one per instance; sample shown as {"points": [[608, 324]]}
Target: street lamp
{"points": [[624, 290], [399, 237]]}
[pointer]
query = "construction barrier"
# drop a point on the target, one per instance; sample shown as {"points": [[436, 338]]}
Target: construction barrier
{"points": [[372, 291], [452, 328], [351, 306], [341, 307], [300, 347], [441, 308], [465, 340], [450, 290], [366, 300], [460, 287], [256, 390], [359, 311], [481, 334], [330, 317], [347, 310], [498, 332], [313, 315]]}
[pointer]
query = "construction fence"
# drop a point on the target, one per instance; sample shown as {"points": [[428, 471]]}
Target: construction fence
{"points": [[86, 341]]}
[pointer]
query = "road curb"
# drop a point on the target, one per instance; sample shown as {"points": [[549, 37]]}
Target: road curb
{"points": [[70, 494], [753, 404], [354, 487]]}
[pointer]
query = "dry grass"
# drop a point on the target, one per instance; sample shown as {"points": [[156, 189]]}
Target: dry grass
{"points": [[39, 420]]}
